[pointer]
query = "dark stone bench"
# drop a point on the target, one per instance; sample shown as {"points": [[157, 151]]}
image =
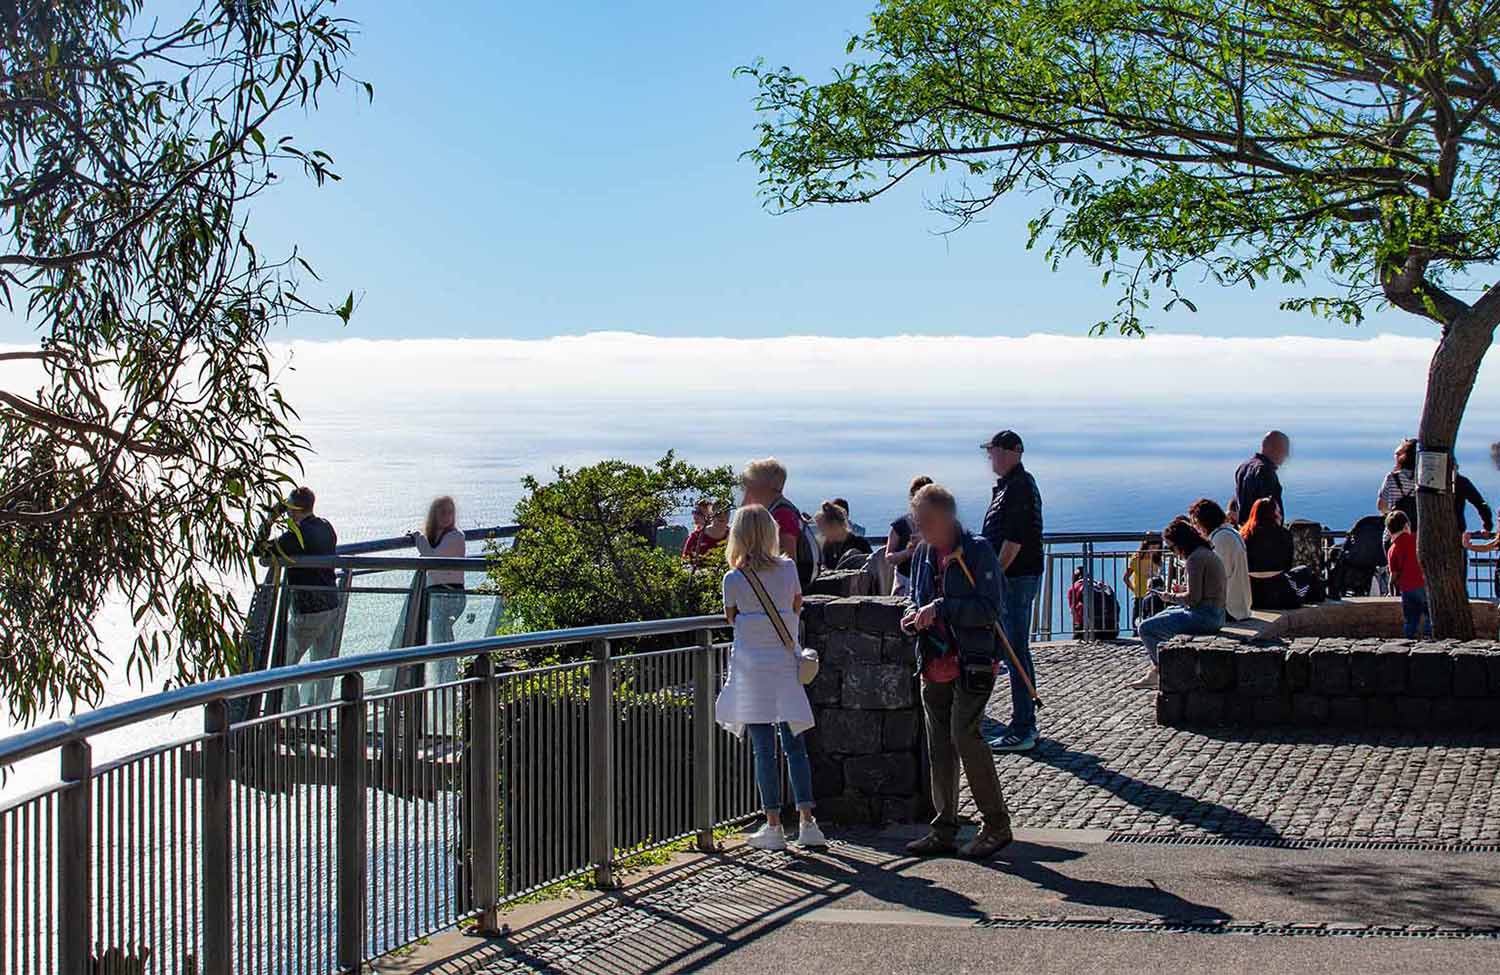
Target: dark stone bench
{"points": [[1313, 682]]}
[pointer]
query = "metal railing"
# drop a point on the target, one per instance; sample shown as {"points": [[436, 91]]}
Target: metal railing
{"points": [[316, 838]]}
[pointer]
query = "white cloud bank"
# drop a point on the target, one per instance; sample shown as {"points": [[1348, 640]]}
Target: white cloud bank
{"points": [[624, 365]]}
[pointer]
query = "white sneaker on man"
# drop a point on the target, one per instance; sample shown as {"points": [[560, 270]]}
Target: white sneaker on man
{"points": [[768, 837], [811, 836]]}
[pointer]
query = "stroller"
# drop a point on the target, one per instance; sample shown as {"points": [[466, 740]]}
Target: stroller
{"points": [[1354, 566]]}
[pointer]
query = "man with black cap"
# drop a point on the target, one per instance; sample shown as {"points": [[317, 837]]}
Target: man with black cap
{"points": [[1013, 525]]}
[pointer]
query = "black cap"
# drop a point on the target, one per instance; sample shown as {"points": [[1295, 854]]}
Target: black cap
{"points": [[1007, 439]]}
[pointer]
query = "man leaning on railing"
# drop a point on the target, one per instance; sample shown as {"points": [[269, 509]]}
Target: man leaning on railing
{"points": [[313, 616]]}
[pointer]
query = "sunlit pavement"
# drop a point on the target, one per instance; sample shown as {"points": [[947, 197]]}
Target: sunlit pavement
{"points": [[1138, 847]]}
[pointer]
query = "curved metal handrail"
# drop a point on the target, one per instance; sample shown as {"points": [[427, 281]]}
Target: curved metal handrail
{"points": [[55, 734]]}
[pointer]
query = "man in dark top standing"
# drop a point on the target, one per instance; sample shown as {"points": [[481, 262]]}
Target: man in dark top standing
{"points": [[313, 618], [1013, 526], [1257, 478], [1464, 494]]}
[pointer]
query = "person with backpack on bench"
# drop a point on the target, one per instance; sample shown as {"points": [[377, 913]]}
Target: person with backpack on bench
{"points": [[763, 482]]}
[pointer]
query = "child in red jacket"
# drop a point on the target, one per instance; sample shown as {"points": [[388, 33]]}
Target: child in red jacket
{"points": [[1406, 575]]}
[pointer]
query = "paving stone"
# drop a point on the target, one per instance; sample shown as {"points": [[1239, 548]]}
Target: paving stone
{"points": [[1309, 709], [1170, 707], [901, 730], [888, 774], [898, 648], [1259, 671], [1330, 670], [1179, 667], [880, 614], [1104, 763], [882, 687], [1216, 666], [1392, 661], [851, 648], [1347, 712], [1364, 669], [1299, 666], [1430, 672], [840, 612], [841, 732], [1205, 708]]}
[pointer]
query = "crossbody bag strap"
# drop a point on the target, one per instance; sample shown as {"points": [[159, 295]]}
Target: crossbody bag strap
{"points": [[770, 608]]}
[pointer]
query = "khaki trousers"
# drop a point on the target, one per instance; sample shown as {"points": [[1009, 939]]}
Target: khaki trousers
{"points": [[953, 736]]}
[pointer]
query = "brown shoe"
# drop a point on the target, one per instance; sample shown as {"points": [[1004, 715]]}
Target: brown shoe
{"points": [[931, 845], [989, 841]]}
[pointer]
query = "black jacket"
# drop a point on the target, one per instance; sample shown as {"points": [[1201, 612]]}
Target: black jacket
{"points": [[1256, 479], [1464, 492], [1015, 515]]}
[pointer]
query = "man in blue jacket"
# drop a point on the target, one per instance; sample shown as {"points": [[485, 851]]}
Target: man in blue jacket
{"points": [[952, 608]]}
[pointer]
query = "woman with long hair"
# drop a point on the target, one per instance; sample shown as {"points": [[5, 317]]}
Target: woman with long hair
{"points": [[763, 694], [1269, 555], [1141, 570], [441, 539], [832, 522], [1199, 608]]}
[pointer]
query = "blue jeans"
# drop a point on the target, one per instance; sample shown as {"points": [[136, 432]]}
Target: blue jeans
{"points": [[1017, 593], [1414, 614], [1179, 621], [768, 775]]}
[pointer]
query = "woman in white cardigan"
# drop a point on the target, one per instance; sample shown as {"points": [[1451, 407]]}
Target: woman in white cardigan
{"points": [[763, 694]]}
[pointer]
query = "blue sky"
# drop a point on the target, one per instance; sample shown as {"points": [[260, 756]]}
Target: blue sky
{"points": [[528, 170]]}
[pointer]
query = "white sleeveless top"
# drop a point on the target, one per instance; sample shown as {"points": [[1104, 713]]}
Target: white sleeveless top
{"points": [[762, 687]]}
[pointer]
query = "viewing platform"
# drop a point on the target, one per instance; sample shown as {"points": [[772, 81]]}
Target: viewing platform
{"points": [[410, 807]]}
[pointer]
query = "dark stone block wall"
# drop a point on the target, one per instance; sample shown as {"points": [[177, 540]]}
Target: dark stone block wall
{"points": [[867, 746], [1346, 682]]}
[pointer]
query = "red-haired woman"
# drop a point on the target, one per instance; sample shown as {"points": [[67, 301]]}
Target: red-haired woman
{"points": [[1269, 553]]}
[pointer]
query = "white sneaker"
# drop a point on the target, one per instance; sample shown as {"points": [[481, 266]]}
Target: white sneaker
{"points": [[811, 836], [768, 837]]}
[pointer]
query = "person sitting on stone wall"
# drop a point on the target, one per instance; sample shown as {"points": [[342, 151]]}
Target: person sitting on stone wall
{"points": [[842, 549], [1199, 608]]}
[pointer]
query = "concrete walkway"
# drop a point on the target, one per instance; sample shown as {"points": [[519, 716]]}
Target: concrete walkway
{"points": [[1056, 901], [1253, 863]]}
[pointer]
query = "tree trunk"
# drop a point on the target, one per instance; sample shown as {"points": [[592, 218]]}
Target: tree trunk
{"points": [[1450, 380]]}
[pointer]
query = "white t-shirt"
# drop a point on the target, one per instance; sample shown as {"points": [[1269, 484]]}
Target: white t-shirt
{"points": [[1230, 548]]}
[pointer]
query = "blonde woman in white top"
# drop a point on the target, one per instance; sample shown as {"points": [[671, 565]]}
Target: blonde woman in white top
{"points": [[763, 694], [441, 539]]}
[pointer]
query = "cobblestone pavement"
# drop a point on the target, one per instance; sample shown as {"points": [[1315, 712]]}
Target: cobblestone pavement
{"points": [[1103, 763]]}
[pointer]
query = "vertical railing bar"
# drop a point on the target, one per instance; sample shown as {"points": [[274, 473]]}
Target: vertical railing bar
{"points": [[74, 846], [218, 922], [352, 819], [484, 779], [51, 885], [601, 760]]}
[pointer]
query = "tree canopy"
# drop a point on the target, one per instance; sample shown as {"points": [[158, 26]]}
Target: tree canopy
{"points": [[585, 553], [1345, 148], [144, 435]]}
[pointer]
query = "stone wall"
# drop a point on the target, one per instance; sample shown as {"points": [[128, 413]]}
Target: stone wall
{"points": [[1312, 682], [867, 748]]}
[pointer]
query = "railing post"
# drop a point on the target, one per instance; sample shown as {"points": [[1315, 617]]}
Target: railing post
{"points": [[1049, 585], [75, 919], [601, 767], [704, 771], [352, 823], [1088, 590], [484, 803], [218, 918]]}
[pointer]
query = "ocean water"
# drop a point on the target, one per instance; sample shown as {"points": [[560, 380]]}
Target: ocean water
{"points": [[1120, 434]]}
